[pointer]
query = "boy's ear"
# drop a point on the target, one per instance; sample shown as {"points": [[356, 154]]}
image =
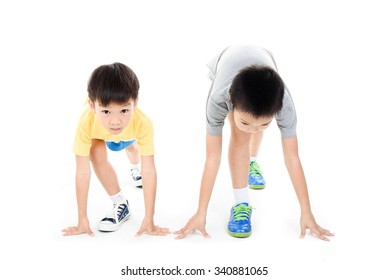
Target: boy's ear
{"points": [[91, 105], [135, 103]]}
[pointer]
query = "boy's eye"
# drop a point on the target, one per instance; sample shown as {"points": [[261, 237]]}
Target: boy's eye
{"points": [[245, 123], [124, 111], [105, 112]]}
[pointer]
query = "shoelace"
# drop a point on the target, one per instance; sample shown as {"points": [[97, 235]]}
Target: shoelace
{"points": [[121, 208], [255, 171], [242, 212], [116, 210]]}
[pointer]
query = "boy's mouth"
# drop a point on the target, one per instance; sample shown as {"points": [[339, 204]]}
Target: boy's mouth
{"points": [[116, 129]]}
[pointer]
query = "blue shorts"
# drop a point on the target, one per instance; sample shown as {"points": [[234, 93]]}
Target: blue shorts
{"points": [[119, 146]]}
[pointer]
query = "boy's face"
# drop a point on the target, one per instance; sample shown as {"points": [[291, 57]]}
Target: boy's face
{"points": [[249, 124], [114, 117]]}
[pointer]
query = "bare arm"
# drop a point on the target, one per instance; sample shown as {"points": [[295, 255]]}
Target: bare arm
{"points": [[149, 185], [211, 168], [83, 175], [296, 173]]}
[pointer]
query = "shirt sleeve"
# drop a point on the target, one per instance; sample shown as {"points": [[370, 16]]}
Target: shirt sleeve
{"points": [[145, 136], [216, 113], [287, 118], [82, 139], [81, 147]]}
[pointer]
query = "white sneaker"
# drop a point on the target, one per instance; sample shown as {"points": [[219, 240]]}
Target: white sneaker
{"points": [[118, 215], [136, 177]]}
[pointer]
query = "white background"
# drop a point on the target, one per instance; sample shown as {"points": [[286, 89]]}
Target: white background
{"points": [[332, 55]]}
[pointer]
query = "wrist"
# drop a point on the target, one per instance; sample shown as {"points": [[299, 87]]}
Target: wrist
{"points": [[306, 211], [82, 216], [201, 212], [149, 217]]}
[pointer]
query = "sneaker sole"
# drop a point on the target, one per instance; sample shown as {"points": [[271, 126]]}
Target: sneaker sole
{"points": [[239, 234], [257, 187], [110, 228], [138, 183]]}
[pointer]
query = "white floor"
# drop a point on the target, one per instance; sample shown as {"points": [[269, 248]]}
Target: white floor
{"points": [[332, 57], [341, 202]]}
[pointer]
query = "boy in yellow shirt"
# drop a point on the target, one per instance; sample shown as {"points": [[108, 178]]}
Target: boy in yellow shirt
{"points": [[113, 120]]}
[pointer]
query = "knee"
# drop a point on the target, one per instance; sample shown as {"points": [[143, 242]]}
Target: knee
{"points": [[98, 153], [240, 138], [132, 149]]}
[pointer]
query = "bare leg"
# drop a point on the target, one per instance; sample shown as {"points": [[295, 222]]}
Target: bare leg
{"points": [[133, 153], [256, 180], [103, 169], [238, 155], [255, 143]]}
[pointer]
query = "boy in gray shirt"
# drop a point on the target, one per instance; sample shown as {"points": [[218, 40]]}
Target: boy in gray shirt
{"points": [[247, 90]]}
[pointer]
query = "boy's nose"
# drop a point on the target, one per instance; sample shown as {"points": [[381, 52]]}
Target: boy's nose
{"points": [[253, 131], [115, 121]]}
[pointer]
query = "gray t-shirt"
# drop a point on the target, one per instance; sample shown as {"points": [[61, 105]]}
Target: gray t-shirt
{"points": [[223, 68]]}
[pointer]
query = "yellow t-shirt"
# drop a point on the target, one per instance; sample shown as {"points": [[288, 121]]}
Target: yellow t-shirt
{"points": [[140, 128]]}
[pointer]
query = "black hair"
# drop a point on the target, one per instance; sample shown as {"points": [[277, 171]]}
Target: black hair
{"points": [[258, 91], [113, 83]]}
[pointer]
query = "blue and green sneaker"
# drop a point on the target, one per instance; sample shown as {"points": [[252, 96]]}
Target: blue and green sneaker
{"points": [[239, 224], [256, 180]]}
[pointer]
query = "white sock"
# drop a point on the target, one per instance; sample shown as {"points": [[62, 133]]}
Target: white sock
{"points": [[118, 198], [241, 195], [253, 159], [135, 166]]}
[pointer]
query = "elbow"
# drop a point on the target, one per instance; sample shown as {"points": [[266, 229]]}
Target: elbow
{"points": [[149, 173], [83, 174], [292, 161], [213, 160]]}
